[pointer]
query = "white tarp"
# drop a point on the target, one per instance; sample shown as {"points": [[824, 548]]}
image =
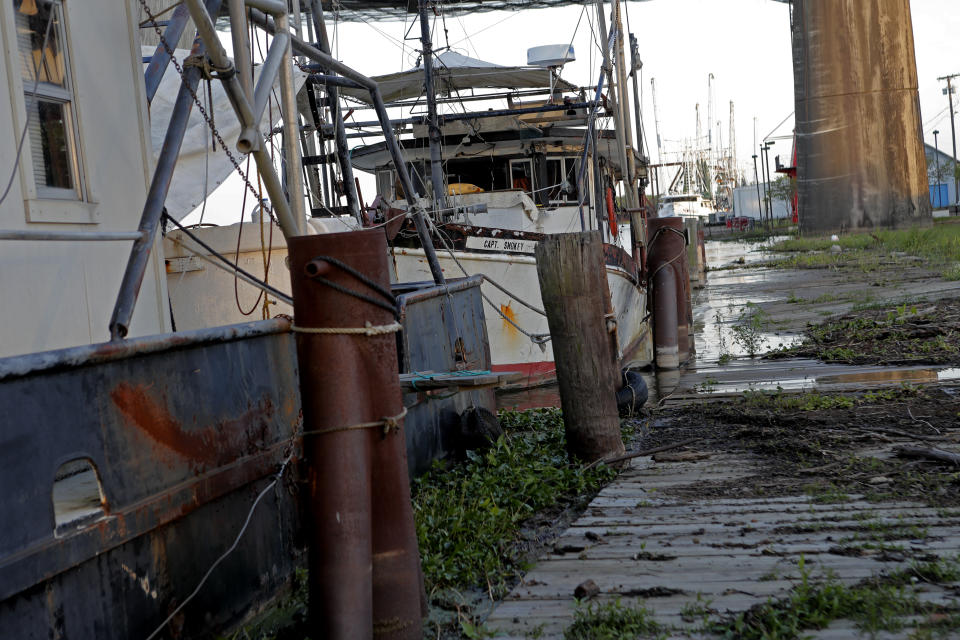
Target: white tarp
{"points": [[198, 164], [456, 72]]}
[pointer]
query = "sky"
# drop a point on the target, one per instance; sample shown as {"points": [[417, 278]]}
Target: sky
{"points": [[745, 44]]}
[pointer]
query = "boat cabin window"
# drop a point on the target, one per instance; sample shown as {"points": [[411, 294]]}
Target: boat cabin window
{"points": [[48, 94], [562, 180], [521, 175]]}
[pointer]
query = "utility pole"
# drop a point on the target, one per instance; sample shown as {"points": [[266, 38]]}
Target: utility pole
{"points": [[433, 128], [936, 160], [763, 176], [769, 179], [953, 135], [756, 178]]}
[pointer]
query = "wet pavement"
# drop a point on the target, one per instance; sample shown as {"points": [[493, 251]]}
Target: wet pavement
{"points": [[786, 301], [674, 535]]}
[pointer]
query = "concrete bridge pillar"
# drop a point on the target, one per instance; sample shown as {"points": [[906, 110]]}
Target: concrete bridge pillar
{"points": [[860, 155]]}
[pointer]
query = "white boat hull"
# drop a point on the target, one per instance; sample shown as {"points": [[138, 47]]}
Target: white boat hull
{"points": [[510, 349]]}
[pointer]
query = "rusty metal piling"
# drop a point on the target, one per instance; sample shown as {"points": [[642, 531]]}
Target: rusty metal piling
{"points": [[364, 564], [670, 286]]}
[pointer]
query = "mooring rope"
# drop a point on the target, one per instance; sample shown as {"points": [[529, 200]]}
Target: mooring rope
{"points": [[389, 423], [368, 330]]}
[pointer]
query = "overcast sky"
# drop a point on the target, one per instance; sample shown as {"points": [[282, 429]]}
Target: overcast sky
{"points": [[744, 43]]}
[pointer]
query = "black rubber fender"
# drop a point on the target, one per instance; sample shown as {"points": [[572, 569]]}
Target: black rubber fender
{"points": [[633, 394]]}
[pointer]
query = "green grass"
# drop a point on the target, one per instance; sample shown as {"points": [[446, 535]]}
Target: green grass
{"points": [[469, 517], [883, 603], [613, 621], [938, 245]]}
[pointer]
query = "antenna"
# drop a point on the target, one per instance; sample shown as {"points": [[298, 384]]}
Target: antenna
{"points": [[734, 172]]}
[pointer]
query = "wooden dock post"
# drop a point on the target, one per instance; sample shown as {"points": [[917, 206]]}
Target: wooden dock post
{"points": [[573, 285]]}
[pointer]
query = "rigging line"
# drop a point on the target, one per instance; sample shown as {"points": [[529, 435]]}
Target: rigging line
{"points": [[463, 27], [535, 337], [447, 247], [206, 168], [577, 28], [767, 137], [236, 287], [236, 541], [513, 14], [397, 43], [280, 295]]}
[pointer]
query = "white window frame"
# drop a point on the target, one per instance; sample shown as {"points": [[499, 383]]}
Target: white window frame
{"points": [[533, 177], [43, 203], [568, 166]]}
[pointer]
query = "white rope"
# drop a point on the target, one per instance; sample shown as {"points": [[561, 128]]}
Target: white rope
{"points": [[236, 541], [369, 330]]}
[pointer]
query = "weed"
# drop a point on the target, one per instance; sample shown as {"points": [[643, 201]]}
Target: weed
{"points": [[808, 401], [951, 273], [748, 331], [878, 604], [613, 621], [826, 494], [469, 517], [709, 385]]}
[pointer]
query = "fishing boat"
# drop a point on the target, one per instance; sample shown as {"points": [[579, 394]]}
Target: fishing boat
{"points": [[510, 180], [502, 179], [685, 205]]}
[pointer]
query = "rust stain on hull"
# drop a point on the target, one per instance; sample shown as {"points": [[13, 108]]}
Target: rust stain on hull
{"points": [[214, 445]]}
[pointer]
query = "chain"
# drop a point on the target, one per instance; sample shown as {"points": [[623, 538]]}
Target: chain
{"points": [[196, 100]]}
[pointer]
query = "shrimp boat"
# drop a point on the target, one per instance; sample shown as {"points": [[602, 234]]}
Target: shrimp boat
{"points": [[509, 177]]}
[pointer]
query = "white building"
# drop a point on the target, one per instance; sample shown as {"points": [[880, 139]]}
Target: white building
{"points": [[79, 104], [747, 204]]}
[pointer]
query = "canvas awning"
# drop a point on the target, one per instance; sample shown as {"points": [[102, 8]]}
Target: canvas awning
{"points": [[456, 72], [199, 170]]}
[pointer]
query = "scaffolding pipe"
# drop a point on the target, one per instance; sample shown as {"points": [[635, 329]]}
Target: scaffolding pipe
{"points": [[335, 65], [158, 63], [268, 74], [241, 44], [156, 196], [70, 236], [291, 131], [231, 84], [336, 115]]}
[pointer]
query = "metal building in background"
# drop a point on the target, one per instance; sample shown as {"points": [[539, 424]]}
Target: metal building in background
{"points": [[860, 150]]}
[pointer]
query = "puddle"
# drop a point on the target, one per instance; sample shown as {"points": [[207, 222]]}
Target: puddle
{"points": [[721, 254], [807, 374], [535, 398]]}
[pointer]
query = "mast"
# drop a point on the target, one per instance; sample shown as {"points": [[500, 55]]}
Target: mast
{"points": [[433, 128], [623, 111], [613, 97], [732, 157], [635, 65], [710, 112], [656, 126]]}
